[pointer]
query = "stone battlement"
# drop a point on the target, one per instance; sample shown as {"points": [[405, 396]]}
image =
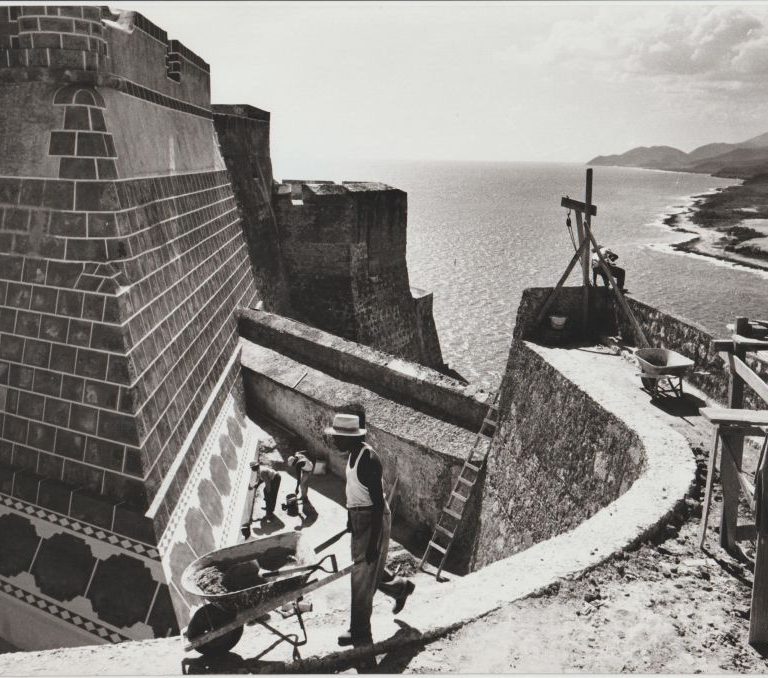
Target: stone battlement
{"points": [[313, 189], [94, 45]]}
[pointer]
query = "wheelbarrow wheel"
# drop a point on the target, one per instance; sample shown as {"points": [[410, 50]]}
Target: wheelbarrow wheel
{"points": [[208, 618]]}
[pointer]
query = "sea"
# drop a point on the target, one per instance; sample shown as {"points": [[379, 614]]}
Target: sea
{"points": [[479, 233]]}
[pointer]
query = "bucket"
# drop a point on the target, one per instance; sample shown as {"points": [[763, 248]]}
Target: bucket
{"points": [[557, 321], [291, 506]]}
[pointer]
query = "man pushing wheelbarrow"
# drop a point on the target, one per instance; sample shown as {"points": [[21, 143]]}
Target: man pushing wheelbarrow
{"points": [[370, 522]]}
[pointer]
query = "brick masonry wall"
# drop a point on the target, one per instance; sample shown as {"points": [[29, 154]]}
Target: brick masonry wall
{"points": [[538, 483], [122, 261]]}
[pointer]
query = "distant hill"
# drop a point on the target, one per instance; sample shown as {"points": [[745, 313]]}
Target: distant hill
{"points": [[644, 156], [743, 159]]}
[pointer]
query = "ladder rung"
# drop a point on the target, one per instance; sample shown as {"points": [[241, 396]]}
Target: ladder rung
{"points": [[466, 481], [459, 496], [474, 468], [440, 528], [487, 420], [437, 547], [452, 513]]}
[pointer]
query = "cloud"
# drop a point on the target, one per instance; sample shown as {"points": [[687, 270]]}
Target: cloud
{"points": [[707, 48]]}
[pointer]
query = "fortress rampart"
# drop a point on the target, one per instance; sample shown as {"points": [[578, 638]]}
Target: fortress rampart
{"points": [[344, 247], [135, 219]]}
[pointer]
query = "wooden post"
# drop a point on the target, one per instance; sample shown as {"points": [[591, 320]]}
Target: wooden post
{"points": [[758, 618], [584, 272], [730, 464], [585, 254]]}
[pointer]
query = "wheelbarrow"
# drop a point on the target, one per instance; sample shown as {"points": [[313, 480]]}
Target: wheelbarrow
{"points": [[242, 584], [662, 370]]}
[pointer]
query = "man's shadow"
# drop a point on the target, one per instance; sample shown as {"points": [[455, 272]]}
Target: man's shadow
{"points": [[308, 518], [263, 526]]}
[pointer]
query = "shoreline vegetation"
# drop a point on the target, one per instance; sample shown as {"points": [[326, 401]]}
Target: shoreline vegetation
{"points": [[729, 224]]}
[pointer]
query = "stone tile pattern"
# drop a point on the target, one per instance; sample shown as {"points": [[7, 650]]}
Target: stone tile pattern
{"points": [[344, 248], [538, 484], [121, 590]]}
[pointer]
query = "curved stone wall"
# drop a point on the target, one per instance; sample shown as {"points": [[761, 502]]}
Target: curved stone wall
{"points": [[557, 458]]}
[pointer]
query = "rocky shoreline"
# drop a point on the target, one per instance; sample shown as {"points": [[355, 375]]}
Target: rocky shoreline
{"points": [[729, 224]]}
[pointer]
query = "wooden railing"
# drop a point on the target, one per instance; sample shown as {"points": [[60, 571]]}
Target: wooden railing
{"points": [[732, 425]]}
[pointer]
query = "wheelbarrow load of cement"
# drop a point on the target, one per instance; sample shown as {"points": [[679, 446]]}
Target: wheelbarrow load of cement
{"points": [[241, 584], [662, 370]]}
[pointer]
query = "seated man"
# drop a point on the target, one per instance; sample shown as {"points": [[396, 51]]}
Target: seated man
{"points": [[617, 272]]}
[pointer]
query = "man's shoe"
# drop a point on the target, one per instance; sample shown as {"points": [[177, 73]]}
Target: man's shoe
{"points": [[345, 639], [400, 602]]}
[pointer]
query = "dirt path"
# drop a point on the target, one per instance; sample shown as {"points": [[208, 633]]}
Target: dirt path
{"points": [[667, 607]]}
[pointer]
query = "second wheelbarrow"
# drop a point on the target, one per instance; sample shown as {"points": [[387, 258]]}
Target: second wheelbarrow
{"points": [[662, 370]]}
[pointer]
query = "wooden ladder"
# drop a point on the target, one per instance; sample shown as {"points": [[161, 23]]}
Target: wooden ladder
{"points": [[450, 517]]}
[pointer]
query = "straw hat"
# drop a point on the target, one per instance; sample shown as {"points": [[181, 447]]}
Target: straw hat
{"points": [[345, 425]]}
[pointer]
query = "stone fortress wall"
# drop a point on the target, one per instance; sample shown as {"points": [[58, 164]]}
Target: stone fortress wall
{"points": [[135, 218], [344, 247]]}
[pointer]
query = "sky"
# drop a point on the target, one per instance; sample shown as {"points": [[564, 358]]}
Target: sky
{"points": [[491, 81]]}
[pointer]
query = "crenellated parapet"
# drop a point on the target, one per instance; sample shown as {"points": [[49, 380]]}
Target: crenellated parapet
{"points": [[93, 45]]}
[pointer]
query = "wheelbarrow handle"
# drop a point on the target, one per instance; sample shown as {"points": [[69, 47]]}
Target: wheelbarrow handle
{"points": [[334, 567]]}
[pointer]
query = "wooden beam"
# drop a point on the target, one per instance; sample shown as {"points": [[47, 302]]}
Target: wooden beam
{"points": [[584, 273], [578, 207], [731, 463], [708, 489], [585, 255], [622, 301], [749, 343], [758, 618], [731, 416], [748, 375], [560, 282]]}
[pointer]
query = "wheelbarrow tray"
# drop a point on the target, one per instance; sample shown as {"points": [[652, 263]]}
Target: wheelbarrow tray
{"points": [[662, 362], [251, 602]]}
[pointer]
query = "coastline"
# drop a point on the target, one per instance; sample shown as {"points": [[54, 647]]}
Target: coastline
{"points": [[729, 224]]}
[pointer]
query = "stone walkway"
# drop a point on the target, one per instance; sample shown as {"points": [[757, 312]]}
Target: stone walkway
{"points": [[438, 609]]}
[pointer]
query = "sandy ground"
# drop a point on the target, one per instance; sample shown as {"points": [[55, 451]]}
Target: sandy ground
{"points": [[667, 607]]}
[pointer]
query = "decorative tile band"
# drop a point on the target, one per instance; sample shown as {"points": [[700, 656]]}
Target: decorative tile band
{"points": [[94, 628], [80, 527]]}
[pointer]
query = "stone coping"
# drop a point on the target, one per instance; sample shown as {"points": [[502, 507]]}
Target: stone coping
{"points": [[438, 609], [429, 434], [420, 387]]}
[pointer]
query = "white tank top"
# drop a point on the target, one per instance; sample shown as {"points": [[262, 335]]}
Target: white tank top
{"points": [[357, 493]]}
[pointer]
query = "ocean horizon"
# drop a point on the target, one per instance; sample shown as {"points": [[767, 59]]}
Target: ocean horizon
{"points": [[479, 233]]}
